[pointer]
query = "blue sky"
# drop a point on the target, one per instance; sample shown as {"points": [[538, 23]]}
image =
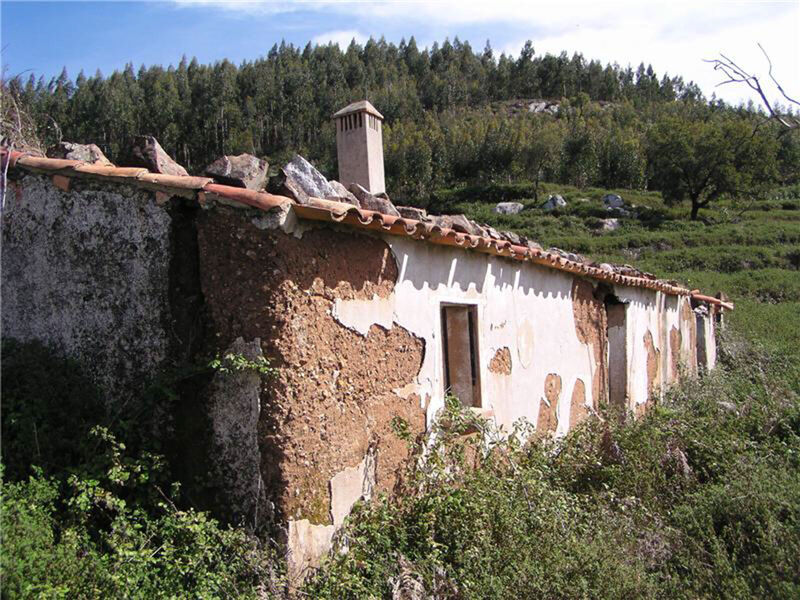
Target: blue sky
{"points": [[43, 37]]}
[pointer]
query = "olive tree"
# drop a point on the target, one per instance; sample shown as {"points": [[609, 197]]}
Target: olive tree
{"points": [[709, 154]]}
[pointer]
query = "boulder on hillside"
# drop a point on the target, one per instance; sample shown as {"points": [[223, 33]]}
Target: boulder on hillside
{"points": [[609, 224], [147, 153], [88, 153], [553, 202], [508, 208], [613, 201], [244, 171], [618, 211], [370, 201]]}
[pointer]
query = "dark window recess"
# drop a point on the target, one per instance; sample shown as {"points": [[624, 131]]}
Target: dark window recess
{"points": [[617, 352], [460, 349]]}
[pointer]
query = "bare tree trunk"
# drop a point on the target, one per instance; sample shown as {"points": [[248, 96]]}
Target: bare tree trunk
{"points": [[695, 209]]}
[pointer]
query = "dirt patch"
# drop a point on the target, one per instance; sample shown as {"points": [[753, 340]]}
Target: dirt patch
{"points": [[332, 395], [501, 362], [590, 326], [675, 351], [547, 421], [652, 363], [577, 407]]}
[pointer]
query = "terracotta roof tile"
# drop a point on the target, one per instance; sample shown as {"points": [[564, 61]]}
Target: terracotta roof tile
{"points": [[347, 214]]}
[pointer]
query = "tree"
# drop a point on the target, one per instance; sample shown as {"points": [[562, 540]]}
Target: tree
{"points": [[735, 74], [540, 151], [717, 154]]}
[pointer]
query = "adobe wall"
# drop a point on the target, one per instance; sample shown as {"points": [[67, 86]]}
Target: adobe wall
{"points": [[87, 271], [325, 434]]}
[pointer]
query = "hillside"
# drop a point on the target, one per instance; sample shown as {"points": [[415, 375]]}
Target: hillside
{"points": [[699, 498]]}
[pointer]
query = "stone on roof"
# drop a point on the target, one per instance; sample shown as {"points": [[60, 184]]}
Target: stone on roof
{"points": [[361, 106]]}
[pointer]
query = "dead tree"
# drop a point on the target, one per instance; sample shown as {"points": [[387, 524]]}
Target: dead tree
{"points": [[736, 74]]}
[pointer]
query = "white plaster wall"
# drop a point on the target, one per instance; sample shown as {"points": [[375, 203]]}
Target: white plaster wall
{"points": [[688, 328], [523, 307], [711, 342], [647, 310]]}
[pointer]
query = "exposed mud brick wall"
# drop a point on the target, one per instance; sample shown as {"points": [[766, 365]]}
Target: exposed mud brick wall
{"points": [[689, 347], [87, 270], [675, 352], [577, 408], [547, 421], [333, 395], [652, 354], [591, 327], [501, 362]]}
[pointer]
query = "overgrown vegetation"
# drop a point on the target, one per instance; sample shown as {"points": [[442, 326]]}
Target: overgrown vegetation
{"points": [[89, 508], [700, 499], [697, 500]]}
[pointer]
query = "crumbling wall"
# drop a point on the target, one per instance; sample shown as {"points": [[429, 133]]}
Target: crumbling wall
{"points": [[234, 410], [688, 328], [706, 339], [647, 324], [332, 399], [530, 322], [87, 270]]}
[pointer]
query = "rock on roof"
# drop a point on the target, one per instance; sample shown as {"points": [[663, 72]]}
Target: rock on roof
{"points": [[443, 231]]}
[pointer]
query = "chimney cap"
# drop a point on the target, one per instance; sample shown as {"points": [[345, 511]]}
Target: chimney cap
{"points": [[361, 106]]}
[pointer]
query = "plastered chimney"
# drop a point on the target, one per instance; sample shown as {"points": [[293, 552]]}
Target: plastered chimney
{"points": [[359, 145]]}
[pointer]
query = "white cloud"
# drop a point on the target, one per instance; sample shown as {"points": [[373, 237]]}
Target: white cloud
{"points": [[679, 44], [674, 36], [340, 37], [246, 7]]}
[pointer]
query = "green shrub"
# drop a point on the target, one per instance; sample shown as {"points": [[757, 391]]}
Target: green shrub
{"points": [[117, 534], [85, 515], [699, 499]]}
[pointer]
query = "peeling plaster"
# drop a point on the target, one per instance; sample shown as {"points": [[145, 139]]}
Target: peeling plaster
{"points": [[307, 545], [360, 314], [516, 304], [501, 362], [351, 485]]}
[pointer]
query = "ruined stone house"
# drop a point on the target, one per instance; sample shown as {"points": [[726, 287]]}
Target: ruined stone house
{"points": [[366, 316]]}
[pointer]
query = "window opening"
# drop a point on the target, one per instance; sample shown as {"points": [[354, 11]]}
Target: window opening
{"points": [[460, 350], [616, 336]]}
